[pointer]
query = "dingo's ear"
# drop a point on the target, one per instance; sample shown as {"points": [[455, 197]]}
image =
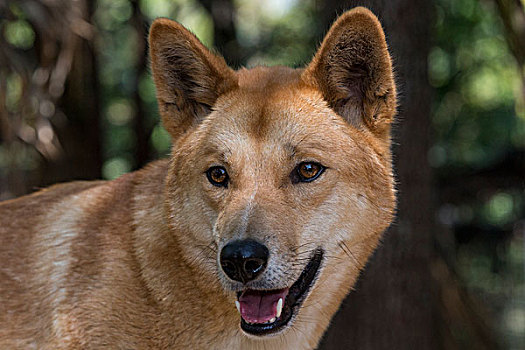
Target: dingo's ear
{"points": [[188, 77], [353, 70]]}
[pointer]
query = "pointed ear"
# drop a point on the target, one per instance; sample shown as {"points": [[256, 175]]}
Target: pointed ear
{"points": [[353, 71], [188, 77]]}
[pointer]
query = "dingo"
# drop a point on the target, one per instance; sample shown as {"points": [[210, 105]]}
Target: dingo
{"points": [[277, 190]]}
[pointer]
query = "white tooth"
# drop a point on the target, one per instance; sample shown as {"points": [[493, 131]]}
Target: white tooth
{"points": [[272, 320], [279, 307], [238, 305]]}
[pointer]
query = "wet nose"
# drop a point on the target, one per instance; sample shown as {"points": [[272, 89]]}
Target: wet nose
{"points": [[244, 260]]}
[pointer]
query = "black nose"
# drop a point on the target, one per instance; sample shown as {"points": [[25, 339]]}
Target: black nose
{"points": [[244, 260]]}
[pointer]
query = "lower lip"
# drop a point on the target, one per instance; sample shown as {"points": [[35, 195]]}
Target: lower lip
{"points": [[288, 311]]}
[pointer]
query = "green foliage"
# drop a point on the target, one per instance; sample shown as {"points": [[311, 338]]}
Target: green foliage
{"points": [[160, 139], [478, 119], [499, 209], [475, 78], [115, 167], [19, 34], [119, 112], [277, 32], [13, 92]]}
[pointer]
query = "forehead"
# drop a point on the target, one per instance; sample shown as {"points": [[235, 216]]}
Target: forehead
{"points": [[275, 111]]}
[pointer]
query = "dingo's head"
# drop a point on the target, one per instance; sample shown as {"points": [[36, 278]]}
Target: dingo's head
{"points": [[283, 175]]}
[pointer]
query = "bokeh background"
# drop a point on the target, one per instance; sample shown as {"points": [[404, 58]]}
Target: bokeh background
{"points": [[77, 102]]}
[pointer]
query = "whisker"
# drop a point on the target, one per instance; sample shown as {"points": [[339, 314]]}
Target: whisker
{"points": [[348, 252]]}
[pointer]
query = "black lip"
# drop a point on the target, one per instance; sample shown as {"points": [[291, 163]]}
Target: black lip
{"points": [[296, 295]]}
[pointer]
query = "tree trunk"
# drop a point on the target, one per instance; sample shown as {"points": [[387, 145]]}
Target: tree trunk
{"points": [[140, 127], [393, 305], [80, 134], [224, 33]]}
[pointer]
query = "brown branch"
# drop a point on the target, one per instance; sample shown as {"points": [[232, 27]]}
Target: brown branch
{"points": [[30, 125]]}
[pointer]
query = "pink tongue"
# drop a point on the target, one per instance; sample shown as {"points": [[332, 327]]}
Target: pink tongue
{"points": [[260, 306]]}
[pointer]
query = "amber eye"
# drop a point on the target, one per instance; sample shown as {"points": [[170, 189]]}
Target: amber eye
{"points": [[307, 172], [218, 176]]}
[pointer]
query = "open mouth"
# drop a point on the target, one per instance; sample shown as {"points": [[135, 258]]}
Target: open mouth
{"points": [[265, 312]]}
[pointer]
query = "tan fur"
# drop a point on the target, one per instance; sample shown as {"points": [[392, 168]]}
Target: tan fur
{"points": [[132, 263]]}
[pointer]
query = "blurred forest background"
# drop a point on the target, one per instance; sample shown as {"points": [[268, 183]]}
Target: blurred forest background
{"points": [[77, 102]]}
